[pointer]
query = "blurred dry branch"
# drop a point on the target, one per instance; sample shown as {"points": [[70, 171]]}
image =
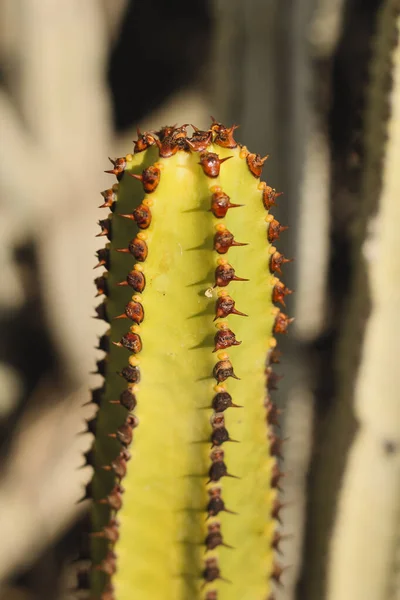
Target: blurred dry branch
{"points": [[39, 489]]}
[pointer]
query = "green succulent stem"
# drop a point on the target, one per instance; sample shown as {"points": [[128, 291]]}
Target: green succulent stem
{"points": [[190, 290]]}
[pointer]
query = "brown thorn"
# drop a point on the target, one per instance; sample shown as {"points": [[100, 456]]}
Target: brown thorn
{"points": [[225, 306], [277, 572], [274, 230], [255, 163], [211, 163], [224, 274], [135, 176], [220, 204], [276, 262], [282, 323], [279, 292], [225, 338], [222, 370]]}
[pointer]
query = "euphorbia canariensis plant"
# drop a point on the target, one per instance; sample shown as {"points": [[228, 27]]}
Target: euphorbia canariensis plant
{"points": [[186, 478]]}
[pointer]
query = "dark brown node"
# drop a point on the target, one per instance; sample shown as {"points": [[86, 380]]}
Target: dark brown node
{"points": [[199, 140], [222, 370], [213, 540], [142, 216], [114, 498], [124, 433], [217, 505], [273, 413], [179, 136], [211, 571], [101, 367], [119, 466], [224, 135], [104, 342], [277, 572], [97, 395], [218, 470], [110, 198], [220, 436], [274, 230], [225, 306], [130, 341], [272, 379], [269, 197], [276, 476], [144, 141], [150, 178], [105, 226], [211, 163], [282, 323], [279, 292], [276, 540], [276, 262], [225, 338], [275, 444], [167, 147], [108, 595], [134, 311], [108, 565], [274, 357], [276, 509], [119, 165], [221, 203], [103, 256], [101, 311], [109, 532], [255, 162], [214, 537], [224, 274], [101, 285], [127, 399], [136, 280], [223, 240], [131, 374], [222, 401], [137, 247]]}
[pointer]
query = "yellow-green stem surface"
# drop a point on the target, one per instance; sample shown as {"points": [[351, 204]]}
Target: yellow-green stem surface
{"points": [[163, 523]]}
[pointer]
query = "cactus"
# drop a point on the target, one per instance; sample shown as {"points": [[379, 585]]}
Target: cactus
{"points": [[192, 509]]}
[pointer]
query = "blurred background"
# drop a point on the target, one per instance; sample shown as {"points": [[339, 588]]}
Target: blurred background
{"points": [[77, 77]]}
